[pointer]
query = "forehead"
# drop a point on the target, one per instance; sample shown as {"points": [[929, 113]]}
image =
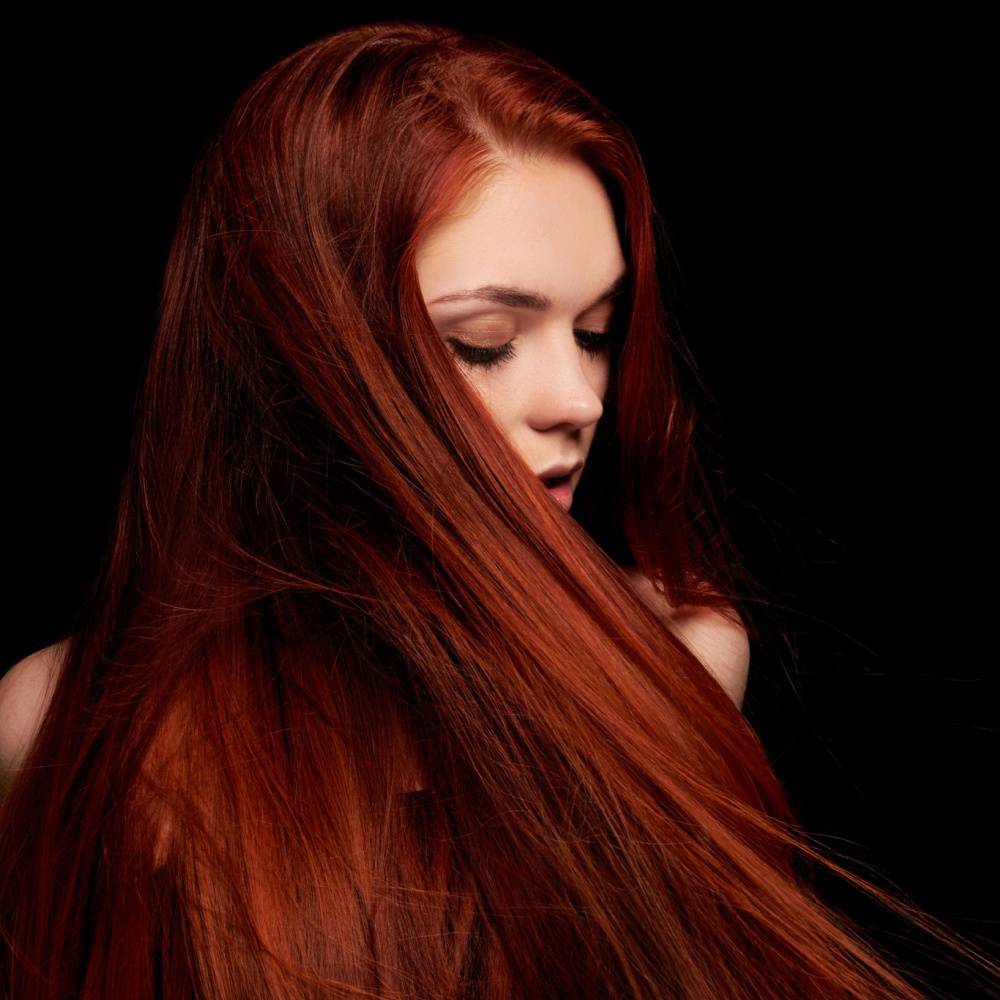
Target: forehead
{"points": [[542, 224]]}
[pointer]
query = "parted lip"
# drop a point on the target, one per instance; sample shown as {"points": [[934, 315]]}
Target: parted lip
{"points": [[559, 471]]}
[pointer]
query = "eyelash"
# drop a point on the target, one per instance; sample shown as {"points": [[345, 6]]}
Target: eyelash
{"points": [[488, 358], [483, 357]]}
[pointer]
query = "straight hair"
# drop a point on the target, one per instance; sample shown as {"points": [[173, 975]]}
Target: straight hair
{"points": [[355, 710]]}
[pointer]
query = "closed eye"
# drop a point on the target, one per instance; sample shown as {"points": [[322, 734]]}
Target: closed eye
{"points": [[482, 357], [593, 342]]}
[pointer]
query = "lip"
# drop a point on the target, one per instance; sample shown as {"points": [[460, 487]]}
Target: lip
{"points": [[560, 471], [560, 481]]}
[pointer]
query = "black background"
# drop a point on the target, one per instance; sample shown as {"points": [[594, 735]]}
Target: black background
{"points": [[821, 181]]}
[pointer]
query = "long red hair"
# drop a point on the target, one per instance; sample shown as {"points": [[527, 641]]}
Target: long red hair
{"points": [[355, 710]]}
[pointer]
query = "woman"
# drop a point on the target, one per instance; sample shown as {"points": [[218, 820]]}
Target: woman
{"points": [[356, 707]]}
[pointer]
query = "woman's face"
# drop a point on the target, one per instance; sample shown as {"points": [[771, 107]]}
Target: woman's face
{"points": [[521, 287]]}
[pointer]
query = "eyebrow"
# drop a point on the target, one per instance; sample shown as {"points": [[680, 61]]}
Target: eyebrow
{"points": [[517, 298]]}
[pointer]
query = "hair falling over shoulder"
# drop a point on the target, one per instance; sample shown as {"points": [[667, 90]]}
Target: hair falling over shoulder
{"points": [[355, 709]]}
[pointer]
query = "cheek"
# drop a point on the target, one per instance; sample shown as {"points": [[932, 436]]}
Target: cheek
{"points": [[599, 374], [497, 394], [507, 396]]}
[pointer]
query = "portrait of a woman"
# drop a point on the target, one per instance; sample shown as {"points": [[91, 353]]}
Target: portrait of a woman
{"points": [[416, 662]]}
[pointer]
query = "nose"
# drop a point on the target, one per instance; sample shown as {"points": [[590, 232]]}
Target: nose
{"points": [[570, 390]]}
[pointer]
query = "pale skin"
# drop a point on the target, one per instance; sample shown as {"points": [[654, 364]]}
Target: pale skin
{"points": [[521, 284]]}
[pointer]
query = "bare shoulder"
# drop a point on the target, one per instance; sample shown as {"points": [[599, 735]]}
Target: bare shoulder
{"points": [[25, 692], [716, 639]]}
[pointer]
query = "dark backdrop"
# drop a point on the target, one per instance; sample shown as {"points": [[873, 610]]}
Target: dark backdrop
{"points": [[819, 179]]}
